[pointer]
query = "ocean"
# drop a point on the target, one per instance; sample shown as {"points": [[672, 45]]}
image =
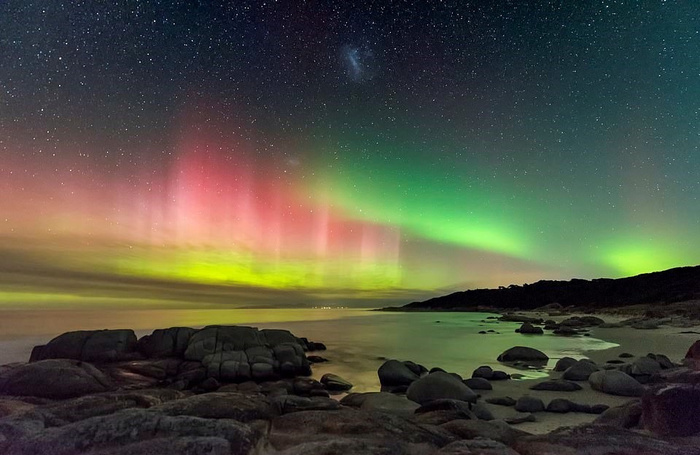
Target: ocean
{"points": [[358, 341]]}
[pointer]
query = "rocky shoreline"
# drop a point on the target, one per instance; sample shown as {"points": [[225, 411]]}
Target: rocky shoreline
{"points": [[240, 390]]}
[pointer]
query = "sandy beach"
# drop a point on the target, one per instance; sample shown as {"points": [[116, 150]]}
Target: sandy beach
{"points": [[670, 341]]}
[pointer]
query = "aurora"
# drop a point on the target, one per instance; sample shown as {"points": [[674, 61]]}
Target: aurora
{"points": [[198, 151]]}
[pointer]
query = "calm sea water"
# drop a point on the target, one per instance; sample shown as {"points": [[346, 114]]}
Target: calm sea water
{"points": [[357, 340]]}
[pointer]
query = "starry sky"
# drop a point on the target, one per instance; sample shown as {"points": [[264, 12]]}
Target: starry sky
{"points": [[297, 152]]}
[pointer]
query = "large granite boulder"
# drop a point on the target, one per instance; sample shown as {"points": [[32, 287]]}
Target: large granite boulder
{"points": [[672, 410], [54, 378], [228, 366], [239, 353], [524, 354], [216, 339], [89, 346], [615, 383], [439, 385], [394, 373], [580, 371], [171, 342]]}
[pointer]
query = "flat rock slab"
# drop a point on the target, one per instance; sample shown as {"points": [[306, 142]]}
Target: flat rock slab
{"points": [[598, 440], [315, 426], [115, 432], [55, 378]]}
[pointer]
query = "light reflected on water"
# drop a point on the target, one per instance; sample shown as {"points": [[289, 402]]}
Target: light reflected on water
{"points": [[358, 340]]}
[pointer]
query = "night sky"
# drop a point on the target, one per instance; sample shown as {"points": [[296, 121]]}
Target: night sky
{"points": [[337, 151]]}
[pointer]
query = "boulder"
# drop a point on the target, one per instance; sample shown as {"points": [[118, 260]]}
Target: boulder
{"points": [[564, 363], [560, 405], [615, 383], [479, 446], [646, 324], [482, 412], [440, 417], [627, 415], [499, 375], [221, 405], [524, 354], [292, 403], [445, 404], [599, 440], [304, 386], [228, 366], [557, 386], [599, 408], [275, 337], [315, 426], [530, 329], [418, 370], [395, 373], [643, 366], [170, 342], [519, 418], [89, 346], [565, 330], [694, 351], [580, 371], [127, 431], [335, 383], [501, 401], [439, 385], [54, 378], [496, 430], [625, 355], [388, 403], [216, 339], [485, 372], [663, 361], [478, 384], [672, 410], [316, 359], [527, 403]]}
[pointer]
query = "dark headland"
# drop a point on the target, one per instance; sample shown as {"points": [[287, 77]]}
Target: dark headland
{"points": [[657, 290], [234, 390]]}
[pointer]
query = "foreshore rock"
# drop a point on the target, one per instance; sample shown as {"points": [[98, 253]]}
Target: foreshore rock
{"points": [[523, 353], [177, 405]]}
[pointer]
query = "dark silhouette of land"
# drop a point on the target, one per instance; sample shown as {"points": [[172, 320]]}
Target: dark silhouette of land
{"points": [[674, 285]]}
